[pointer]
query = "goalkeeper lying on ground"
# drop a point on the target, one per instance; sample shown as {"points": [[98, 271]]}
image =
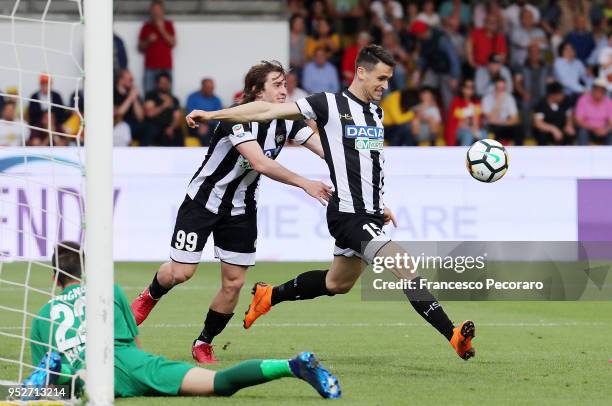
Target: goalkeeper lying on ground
{"points": [[138, 373]]}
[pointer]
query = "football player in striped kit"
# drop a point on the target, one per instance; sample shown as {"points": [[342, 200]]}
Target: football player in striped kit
{"points": [[352, 137], [222, 199]]}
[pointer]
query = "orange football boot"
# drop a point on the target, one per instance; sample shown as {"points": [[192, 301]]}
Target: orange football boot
{"points": [[260, 305], [462, 339]]}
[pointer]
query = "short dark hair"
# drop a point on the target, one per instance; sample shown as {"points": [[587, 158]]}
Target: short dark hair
{"points": [[554, 88], [67, 259], [162, 75], [562, 47], [256, 77], [370, 55]]}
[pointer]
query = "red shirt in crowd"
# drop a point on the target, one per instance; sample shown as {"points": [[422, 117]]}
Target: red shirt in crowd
{"points": [[159, 53], [484, 45], [348, 62], [461, 113]]}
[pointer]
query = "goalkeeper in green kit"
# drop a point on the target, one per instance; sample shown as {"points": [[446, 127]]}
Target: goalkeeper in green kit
{"points": [[138, 373]]}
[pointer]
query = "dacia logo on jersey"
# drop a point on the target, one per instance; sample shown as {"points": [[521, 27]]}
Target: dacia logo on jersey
{"points": [[362, 131], [369, 144]]}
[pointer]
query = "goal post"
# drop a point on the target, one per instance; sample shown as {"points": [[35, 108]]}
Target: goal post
{"points": [[98, 62]]}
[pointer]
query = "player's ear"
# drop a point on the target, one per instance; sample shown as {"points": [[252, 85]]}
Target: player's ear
{"points": [[361, 72]]}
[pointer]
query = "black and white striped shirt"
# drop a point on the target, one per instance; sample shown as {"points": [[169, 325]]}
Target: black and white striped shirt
{"points": [[225, 183], [352, 135]]}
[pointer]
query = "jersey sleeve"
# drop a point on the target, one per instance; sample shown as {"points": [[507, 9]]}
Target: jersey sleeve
{"points": [[300, 132], [314, 107], [237, 132]]}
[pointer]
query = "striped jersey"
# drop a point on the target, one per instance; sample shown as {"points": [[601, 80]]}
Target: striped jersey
{"points": [[226, 183], [352, 136]]}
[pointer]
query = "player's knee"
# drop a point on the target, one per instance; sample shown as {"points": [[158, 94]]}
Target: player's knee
{"points": [[339, 287], [182, 272], [232, 285]]}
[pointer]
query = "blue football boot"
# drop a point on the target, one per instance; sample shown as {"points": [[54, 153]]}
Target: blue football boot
{"points": [[306, 366]]}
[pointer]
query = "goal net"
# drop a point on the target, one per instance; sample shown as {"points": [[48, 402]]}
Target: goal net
{"points": [[46, 195]]}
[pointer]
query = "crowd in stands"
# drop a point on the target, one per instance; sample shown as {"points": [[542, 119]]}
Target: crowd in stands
{"points": [[523, 72]]}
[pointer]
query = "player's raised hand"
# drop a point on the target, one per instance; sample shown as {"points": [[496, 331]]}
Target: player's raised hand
{"points": [[389, 217], [319, 190], [195, 116]]}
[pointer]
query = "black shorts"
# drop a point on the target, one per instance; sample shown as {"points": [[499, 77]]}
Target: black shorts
{"points": [[235, 236], [360, 235]]}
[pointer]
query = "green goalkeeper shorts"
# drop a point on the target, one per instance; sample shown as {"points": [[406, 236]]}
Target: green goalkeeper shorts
{"points": [[138, 373]]}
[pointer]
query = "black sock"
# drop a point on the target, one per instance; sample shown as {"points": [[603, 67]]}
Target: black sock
{"points": [[156, 290], [307, 285], [428, 307], [213, 325]]}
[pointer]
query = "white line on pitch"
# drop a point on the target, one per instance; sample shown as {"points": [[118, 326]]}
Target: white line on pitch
{"points": [[398, 324]]}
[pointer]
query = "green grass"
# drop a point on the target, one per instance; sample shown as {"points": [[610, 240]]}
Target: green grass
{"points": [[532, 353]]}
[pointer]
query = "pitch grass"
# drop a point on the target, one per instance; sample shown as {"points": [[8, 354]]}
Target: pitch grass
{"points": [[528, 353]]}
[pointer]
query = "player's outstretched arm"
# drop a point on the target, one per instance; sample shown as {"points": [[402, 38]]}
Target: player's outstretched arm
{"points": [[254, 111], [272, 169]]}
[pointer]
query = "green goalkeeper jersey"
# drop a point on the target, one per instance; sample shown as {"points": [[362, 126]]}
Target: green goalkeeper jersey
{"points": [[67, 311]]}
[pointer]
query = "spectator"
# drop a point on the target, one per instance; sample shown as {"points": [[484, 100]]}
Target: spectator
{"points": [[464, 123], [602, 41], [323, 37], [13, 132], [348, 14], [350, 56], [391, 43], [570, 72], [47, 134], [456, 8], [72, 126], [530, 84], [42, 101], [552, 119], [581, 38], [452, 28], [162, 116], [398, 108], [438, 62], [483, 42], [493, 8], [294, 92], [318, 12], [128, 106], [122, 134], [204, 99], [156, 40], [486, 77], [429, 15], [319, 75], [512, 14], [594, 116], [501, 113], [297, 42], [385, 11], [427, 118], [604, 60], [120, 58], [523, 36]]}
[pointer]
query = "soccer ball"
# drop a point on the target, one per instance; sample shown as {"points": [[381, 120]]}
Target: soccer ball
{"points": [[487, 160]]}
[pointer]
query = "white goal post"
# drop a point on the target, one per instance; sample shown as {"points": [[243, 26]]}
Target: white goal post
{"points": [[98, 62]]}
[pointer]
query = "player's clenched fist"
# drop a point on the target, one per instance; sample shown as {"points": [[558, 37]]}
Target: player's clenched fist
{"points": [[196, 116]]}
